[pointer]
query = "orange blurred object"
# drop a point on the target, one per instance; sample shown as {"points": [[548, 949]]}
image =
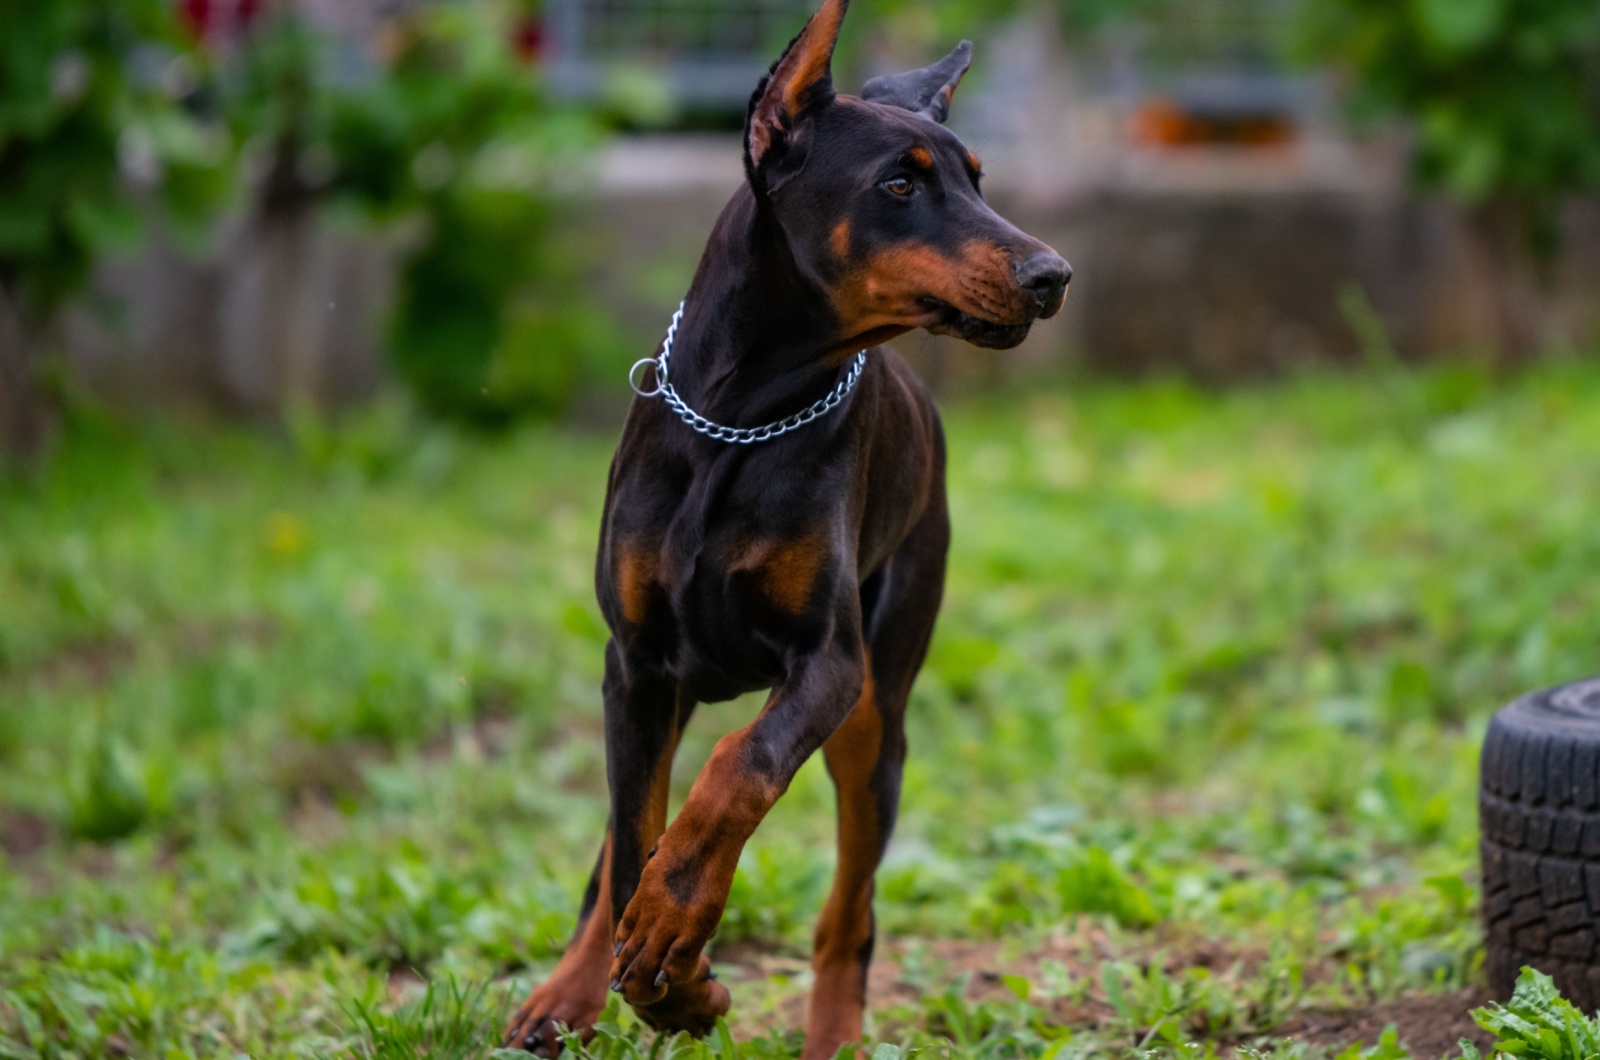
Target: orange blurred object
{"points": [[1164, 122]]}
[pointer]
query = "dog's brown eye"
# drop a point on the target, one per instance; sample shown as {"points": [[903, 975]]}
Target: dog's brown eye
{"points": [[900, 186]]}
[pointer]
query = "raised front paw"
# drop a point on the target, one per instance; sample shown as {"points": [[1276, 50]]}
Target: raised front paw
{"points": [[553, 1004], [662, 933], [691, 1006]]}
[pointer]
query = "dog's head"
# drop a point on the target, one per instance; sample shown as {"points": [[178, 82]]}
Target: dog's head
{"points": [[881, 205]]}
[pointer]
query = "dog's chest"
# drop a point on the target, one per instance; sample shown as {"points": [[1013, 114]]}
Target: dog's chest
{"points": [[721, 592]]}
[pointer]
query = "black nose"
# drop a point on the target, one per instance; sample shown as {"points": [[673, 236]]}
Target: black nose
{"points": [[1047, 276]]}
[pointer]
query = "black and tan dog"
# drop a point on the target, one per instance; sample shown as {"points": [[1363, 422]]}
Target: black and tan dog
{"points": [[812, 563]]}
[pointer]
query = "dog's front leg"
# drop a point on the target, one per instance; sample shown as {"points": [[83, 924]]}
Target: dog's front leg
{"points": [[645, 715], [684, 887]]}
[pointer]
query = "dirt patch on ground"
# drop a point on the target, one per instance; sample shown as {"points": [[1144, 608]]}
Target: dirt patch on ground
{"points": [[93, 662], [23, 834], [97, 661], [775, 981], [910, 970], [1430, 1025]]}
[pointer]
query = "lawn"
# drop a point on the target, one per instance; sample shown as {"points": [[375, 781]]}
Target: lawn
{"points": [[300, 735]]}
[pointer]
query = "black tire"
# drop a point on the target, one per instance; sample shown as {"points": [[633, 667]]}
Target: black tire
{"points": [[1539, 814]]}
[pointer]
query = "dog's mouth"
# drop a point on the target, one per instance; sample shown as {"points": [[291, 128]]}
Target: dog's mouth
{"points": [[988, 334]]}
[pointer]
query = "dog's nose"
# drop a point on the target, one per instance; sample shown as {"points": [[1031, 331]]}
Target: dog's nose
{"points": [[1047, 276]]}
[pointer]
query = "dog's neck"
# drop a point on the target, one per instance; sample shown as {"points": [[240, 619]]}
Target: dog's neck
{"points": [[754, 343]]}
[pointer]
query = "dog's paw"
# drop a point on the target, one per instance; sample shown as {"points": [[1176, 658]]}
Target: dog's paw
{"points": [[536, 1027], [661, 935], [693, 1006]]}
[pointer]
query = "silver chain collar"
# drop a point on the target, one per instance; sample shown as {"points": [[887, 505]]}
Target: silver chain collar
{"points": [[735, 435]]}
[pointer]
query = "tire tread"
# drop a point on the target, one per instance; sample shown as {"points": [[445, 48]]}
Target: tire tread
{"points": [[1539, 816]]}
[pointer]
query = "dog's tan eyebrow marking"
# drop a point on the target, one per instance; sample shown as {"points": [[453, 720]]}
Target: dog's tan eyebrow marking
{"points": [[975, 163], [920, 157], [841, 239]]}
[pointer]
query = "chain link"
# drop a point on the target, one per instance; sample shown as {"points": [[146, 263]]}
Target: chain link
{"points": [[664, 390]]}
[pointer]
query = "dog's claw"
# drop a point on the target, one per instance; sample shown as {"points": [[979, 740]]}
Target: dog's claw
{"points": [[616, 986], [618, 951], [661, 978], [712, 975], [533, 1041]]}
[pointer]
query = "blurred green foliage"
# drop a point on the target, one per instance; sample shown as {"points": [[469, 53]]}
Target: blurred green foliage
{"points": [[444, 137], [451, 131], [1195, 749], [91, 115], [109, 792], [1503, 95], [952, 20]]}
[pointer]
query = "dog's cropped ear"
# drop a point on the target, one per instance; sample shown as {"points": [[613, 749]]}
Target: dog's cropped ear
{"points": [[800, 83], [927, 91]]}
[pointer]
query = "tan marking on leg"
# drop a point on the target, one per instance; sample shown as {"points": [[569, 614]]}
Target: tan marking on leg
{"points": [[597, 929], [636, 569], [684, 889], [839, 996], [575, 992], [655, 814]]}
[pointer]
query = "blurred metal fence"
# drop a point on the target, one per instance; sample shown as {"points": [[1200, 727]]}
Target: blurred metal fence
{"points": [[1251, 33], [1210, 71], [707, 53]]}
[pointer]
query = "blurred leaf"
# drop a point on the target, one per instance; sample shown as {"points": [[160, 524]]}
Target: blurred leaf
{"points": [[73, 110], [1459, 25], [1499, 90], [108, 795], [1096, 885]]}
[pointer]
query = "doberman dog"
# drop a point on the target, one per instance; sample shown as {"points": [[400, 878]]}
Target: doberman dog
{"points": [[810, 562]]}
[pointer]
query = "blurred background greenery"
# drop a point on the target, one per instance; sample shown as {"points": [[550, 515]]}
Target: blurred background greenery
{"points": [[459, 132], [313, 325]]}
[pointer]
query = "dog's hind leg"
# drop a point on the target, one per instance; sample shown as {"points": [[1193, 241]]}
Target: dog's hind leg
{"points": [[576, 991], [865, 757], [644, 719]]}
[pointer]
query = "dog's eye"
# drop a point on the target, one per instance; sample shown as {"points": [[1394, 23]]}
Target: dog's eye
{"points": [[900, 186]]}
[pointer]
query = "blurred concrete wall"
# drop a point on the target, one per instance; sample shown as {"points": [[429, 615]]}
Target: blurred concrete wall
{"points": [[269, 313], [1226, 286], [1221, 267]]}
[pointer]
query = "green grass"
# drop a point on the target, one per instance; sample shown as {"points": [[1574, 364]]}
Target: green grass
{"points": [[286, 724]]}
